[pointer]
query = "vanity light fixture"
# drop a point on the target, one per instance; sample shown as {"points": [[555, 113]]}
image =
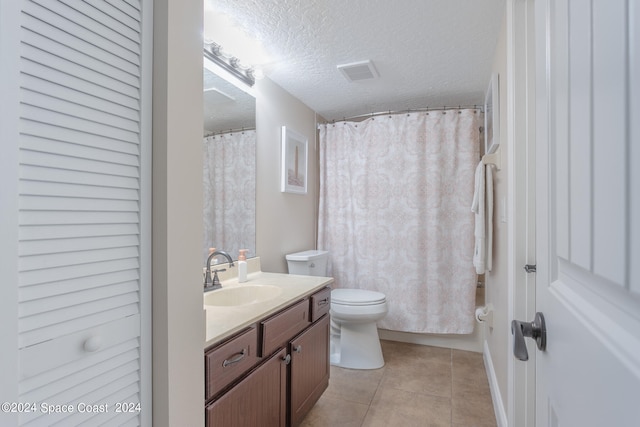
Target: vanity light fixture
{"points": [[228, 45], [214, 52]]}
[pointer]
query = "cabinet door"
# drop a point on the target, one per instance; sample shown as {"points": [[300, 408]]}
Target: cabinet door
{"points": [[309, 368], [259, 400]]}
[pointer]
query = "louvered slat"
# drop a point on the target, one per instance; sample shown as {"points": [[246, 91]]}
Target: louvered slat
{"points": [[52, 288], [51, 117], [74, 99], [125, 96], [68, 107], [118, 15], [129, 41], [62, 320], [40, 49], [126, 7], [43, 372], [45, 247], [79, 323], [108, 54], [64, 218], [47, 232], [134, 4], [77, 162], [61, 302], [94, 390], [40, 57], [56, 189], [48, 383], [64, 259]]}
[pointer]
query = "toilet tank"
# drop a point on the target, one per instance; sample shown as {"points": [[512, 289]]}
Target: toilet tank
{"points": [[308, 263]]}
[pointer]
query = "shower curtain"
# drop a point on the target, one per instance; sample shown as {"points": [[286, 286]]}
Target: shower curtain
{"points": [[395, 197], [229, 162]]}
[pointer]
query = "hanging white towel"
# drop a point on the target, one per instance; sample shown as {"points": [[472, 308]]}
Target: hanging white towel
{"points": [[489, 217], [478, 207]]}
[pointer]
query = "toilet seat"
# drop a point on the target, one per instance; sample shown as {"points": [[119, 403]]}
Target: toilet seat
{"points": [[357, 297]]}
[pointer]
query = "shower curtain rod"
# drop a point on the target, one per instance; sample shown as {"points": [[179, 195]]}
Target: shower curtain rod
{"points": [[411, 110], [227, 131]]}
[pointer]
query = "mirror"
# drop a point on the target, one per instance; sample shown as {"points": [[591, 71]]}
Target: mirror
{"points": [[229, 162]]}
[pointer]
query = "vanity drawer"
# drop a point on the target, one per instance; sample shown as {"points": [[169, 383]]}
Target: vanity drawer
{"points": [[228, 361], [280, 328], [320, 304]]}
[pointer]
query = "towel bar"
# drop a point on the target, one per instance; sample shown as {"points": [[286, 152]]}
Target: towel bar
{"points": [[492, 159]]}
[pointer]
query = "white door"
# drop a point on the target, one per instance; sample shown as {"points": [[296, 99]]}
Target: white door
{"points": [[588, 212], [75, 212]]}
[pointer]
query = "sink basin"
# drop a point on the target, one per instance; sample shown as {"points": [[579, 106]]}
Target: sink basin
{"points": [[241, 295]]}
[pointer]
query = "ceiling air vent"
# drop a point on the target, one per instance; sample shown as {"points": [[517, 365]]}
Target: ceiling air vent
{"points": [[362, 70]]}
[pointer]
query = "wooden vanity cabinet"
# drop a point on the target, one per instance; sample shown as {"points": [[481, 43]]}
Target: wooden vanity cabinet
{"points": [[286, 377], [259, 400], [309, 371]]}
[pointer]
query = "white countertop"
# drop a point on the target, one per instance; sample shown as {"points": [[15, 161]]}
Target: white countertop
{"points": [[222, 322]]}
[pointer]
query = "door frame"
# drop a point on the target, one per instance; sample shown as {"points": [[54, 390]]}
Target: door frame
{"points": [[521, 208], [9, 115]]}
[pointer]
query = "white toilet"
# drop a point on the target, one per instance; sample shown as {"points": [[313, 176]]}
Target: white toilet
{"points": [[354, 312]]}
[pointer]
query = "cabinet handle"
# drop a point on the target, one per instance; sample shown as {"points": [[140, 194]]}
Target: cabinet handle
{"points": [[287, 359], [298, 349], [236, 359], [323, 302]]}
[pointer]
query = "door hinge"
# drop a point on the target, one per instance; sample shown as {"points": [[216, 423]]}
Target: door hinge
{"points": [[530, 268]]}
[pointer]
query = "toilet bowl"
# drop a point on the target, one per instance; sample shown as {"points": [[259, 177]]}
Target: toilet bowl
{"points": [[354, 312], [354, 335]]}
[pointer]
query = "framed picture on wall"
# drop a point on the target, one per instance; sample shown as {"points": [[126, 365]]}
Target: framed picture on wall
{"points": [[294, 162], [492, 116]]}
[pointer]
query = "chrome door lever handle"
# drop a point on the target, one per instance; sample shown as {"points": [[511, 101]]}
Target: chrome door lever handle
{"points": [[536, 330]]}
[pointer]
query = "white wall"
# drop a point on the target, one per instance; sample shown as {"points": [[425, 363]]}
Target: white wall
{"points": [[285, 222], [178, 319]]}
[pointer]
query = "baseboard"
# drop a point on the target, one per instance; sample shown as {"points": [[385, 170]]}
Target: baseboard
{"points": [[496, 397]]}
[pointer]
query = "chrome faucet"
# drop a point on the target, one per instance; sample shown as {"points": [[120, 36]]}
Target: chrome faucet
{"points": [[210, 284]]}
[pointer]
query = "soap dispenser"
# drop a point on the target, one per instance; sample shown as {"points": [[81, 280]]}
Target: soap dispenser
{"points": [[242, 266]]}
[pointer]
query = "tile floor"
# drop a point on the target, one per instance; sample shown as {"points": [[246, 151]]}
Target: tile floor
{"points": [[418, 386]]}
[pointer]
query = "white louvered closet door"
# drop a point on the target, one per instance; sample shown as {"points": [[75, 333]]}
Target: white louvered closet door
{"points": [[84, 192]]}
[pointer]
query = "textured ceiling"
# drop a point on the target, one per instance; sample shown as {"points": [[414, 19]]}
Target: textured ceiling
{"points": [[429, 53]]}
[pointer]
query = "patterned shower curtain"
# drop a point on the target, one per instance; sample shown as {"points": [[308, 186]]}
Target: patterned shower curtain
{"points": [[395, 198], [229, 162]]}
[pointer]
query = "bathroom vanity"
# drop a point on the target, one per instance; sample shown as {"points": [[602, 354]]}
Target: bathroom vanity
{"points": [[267, 359]]}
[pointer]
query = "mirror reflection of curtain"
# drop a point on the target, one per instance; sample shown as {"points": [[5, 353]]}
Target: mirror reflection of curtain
{"points": [[395, 198], [229, 192]]}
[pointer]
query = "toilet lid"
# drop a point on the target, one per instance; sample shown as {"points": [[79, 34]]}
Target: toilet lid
{"points": [[357, 297]]}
